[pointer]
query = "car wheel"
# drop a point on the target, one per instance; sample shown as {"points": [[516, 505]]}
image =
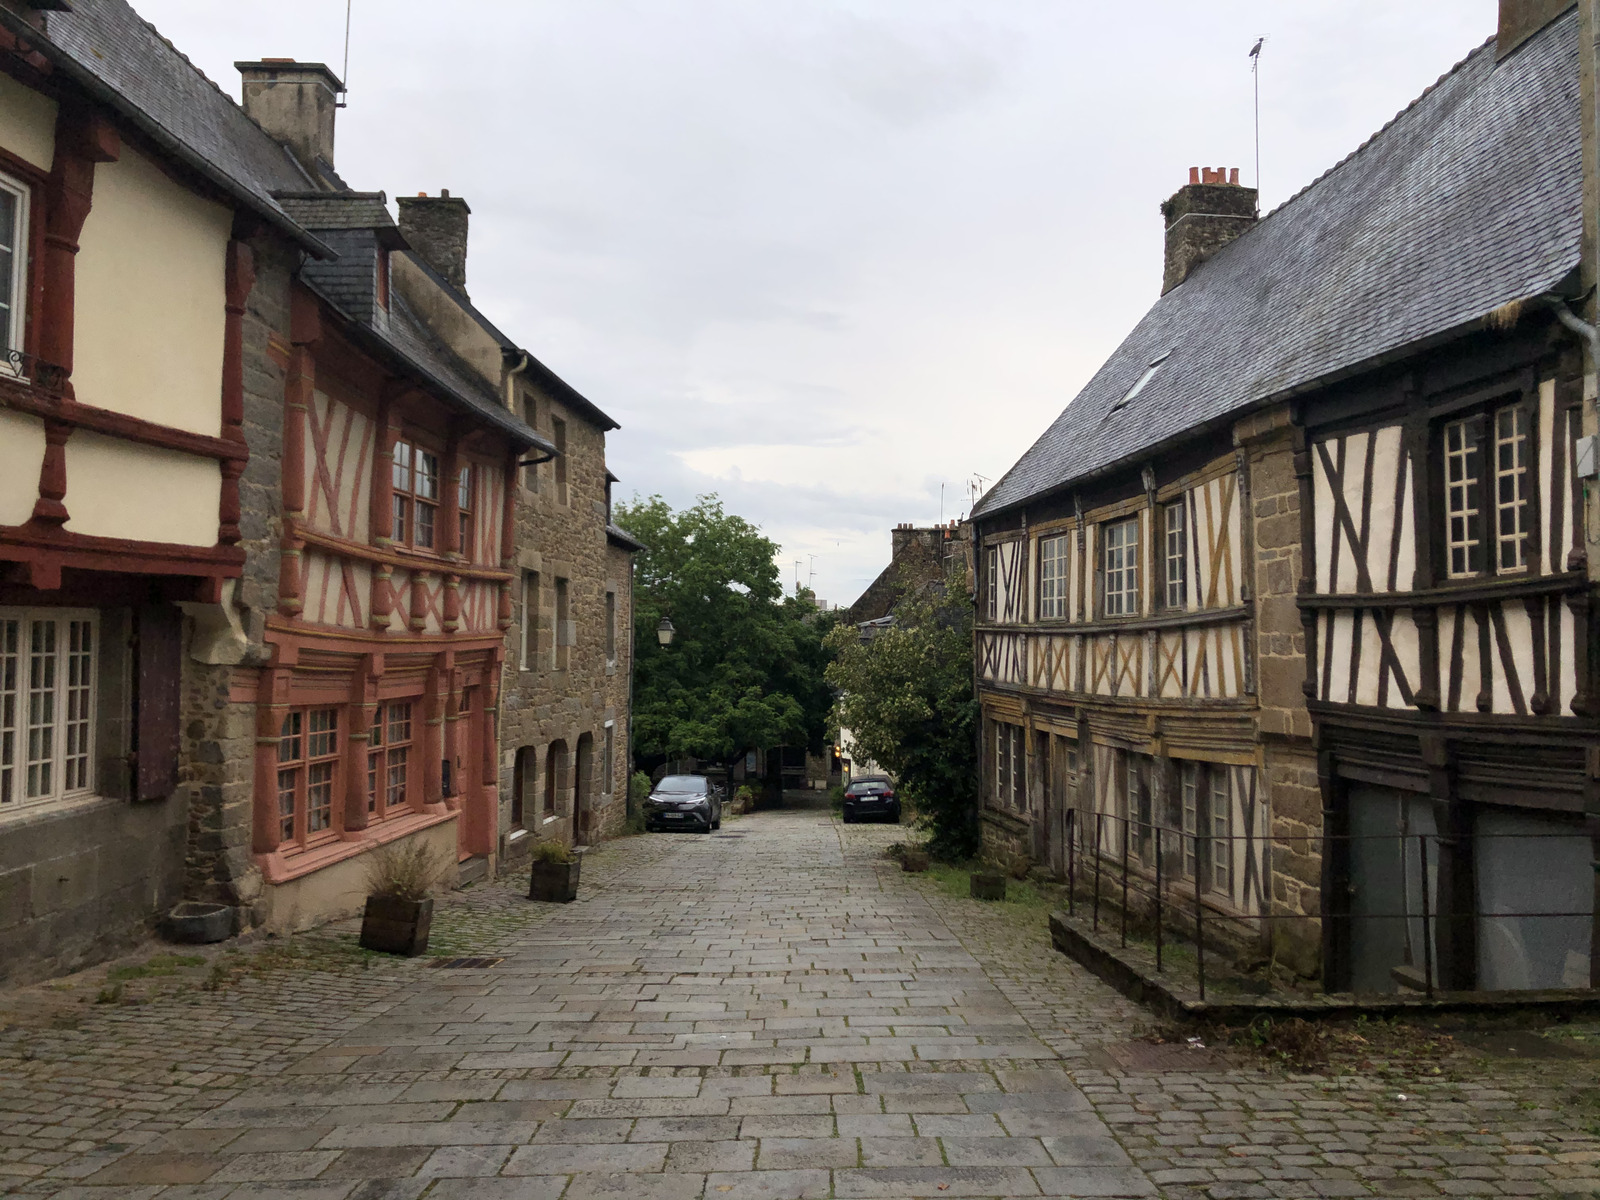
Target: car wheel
{"points": [[849, 817]]}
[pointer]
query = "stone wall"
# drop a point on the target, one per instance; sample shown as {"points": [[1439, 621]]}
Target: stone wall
{"points": [[1268, 442], [218, 749], [567, 692]]}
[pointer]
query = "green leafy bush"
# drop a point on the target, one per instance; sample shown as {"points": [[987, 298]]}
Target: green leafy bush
{"points": [[551, 852]]}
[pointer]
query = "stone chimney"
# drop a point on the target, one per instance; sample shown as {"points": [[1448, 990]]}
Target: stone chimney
{"points": [[1202, 217], [1521, 19], [295, 103], [436, 227]]}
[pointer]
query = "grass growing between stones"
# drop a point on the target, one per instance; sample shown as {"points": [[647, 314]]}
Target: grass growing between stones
{"points": [[1023, 897]]}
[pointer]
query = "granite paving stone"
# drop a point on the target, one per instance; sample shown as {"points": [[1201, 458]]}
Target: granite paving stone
{"points": [[775, 1015]]}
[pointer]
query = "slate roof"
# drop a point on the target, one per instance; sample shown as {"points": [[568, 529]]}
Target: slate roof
{"points": [[337, 210], [619, 536], [1468, 199], [115, 55]]}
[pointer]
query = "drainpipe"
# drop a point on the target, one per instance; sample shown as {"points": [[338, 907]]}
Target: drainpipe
{"points": [[511, 382], [1587, 332]]}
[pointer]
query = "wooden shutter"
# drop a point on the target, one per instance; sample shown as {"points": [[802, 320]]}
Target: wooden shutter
{"points": [[159, 658]]}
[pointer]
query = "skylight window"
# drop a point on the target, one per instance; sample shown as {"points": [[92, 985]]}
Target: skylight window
{"points": [[1149, 374]]}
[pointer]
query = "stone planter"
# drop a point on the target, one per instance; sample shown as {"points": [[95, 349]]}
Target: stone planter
{"points": [[914, 860], [988, 885], [199, 924], [555, 882], [396, 926]]}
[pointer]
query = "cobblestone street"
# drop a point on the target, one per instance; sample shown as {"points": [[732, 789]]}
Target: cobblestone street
{"points": [[773, 1012]]}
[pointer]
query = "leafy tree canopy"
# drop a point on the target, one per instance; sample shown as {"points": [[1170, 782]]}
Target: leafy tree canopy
{"points": [[906, 697], [745, 668]]}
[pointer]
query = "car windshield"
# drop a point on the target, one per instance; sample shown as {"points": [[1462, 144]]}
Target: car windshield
{"points": [[682, 784], [862, 785]]}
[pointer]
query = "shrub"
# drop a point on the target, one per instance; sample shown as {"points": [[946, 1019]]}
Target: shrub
{"points": [[405, 871], [638, 788], [836, 797], [551, 852]]}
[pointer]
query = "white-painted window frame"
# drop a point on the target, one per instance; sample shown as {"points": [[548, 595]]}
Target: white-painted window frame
{"points": [[13, 322], [1053, 560], [1119, 557], [49, 701]]}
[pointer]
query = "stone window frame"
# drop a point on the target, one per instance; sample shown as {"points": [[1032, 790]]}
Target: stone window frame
{"points": [[562, 643], [531, 599], [71, 685], [608, 760]]}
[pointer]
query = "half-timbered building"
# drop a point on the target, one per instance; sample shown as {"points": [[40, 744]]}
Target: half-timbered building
{"points": [[1302, 573], [134, 224]]}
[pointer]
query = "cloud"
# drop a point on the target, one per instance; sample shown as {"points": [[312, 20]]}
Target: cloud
{"points": [[822, 257]]}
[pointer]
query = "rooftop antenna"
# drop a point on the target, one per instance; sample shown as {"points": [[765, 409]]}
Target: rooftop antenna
{"points": [[797, 563], [1255, 74], [811, 580], [344, 75]]}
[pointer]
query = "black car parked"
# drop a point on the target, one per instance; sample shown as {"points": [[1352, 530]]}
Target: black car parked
{"points": [[684, 802], [871, 796]]}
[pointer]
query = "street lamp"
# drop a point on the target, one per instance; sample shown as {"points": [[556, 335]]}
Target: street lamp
{"points": [[665, 632]]}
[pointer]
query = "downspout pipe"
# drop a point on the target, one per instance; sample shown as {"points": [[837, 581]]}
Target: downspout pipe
{"points": [[1587, 332], [511, 383]]}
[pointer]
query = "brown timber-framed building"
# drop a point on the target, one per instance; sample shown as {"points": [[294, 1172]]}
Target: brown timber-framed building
{"points": [[1307, 558]]}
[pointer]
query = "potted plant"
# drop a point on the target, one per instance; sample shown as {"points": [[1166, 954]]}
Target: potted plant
{"points": [[399, 909], [555, 873], [988, 883]]}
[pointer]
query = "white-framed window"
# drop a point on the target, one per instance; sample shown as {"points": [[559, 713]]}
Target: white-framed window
{"points": [[1463, 473], [416, 495], [1208, 813], [309, 777], [1010, 766], [47, 703], [1511, 488], [1175, 519], [1488, 481], [1053, 577], [1120, 567], [389, 759], [13, 270]]}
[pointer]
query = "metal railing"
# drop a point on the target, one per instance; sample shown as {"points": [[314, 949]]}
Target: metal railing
{"points": [[1141, 884]]}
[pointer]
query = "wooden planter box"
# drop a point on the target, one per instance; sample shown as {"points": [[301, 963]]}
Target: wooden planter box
{"points": [[915, 861], [556, 883], [396, 926], [988, 885]]}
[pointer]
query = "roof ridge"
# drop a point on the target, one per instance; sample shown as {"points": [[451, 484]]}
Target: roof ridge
{"points": [[1386, 126]]}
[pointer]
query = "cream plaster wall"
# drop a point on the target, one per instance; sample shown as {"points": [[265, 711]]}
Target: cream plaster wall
{"points": [[150, 295], [122, 489], [340, 889], [21, 452], [27, 123]]}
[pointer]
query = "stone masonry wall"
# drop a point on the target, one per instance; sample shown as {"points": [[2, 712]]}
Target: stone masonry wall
{"points": [[564, 537], [218, 749], [1268, 441]]}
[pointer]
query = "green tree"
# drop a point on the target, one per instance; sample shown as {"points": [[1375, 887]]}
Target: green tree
{"points": [[745, 668], [906, 696]]}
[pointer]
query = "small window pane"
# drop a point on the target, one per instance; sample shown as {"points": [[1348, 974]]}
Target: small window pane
{"points": [[1511, 488], [1052, 578], [1177, 555]]}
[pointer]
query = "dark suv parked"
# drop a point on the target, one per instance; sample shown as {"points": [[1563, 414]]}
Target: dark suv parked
{"points": [[871, 796], [684, 802]]}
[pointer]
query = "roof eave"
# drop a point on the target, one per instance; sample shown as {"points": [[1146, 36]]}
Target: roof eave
{"points": [[618, 536]]}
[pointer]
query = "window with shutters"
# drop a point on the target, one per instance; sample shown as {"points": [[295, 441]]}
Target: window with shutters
{"points": [[14, 196], [47, 706], [1119, 567], [1053, 577], [1488, 483]]}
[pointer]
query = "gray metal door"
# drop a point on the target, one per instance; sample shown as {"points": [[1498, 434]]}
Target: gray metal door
{"points": [[1386, 898]]}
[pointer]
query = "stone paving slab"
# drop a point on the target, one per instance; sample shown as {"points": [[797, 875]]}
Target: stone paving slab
{"points": [[777, 1016]]}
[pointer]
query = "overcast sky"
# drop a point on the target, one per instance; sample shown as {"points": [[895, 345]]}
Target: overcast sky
{"points": [[825, 257]]}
